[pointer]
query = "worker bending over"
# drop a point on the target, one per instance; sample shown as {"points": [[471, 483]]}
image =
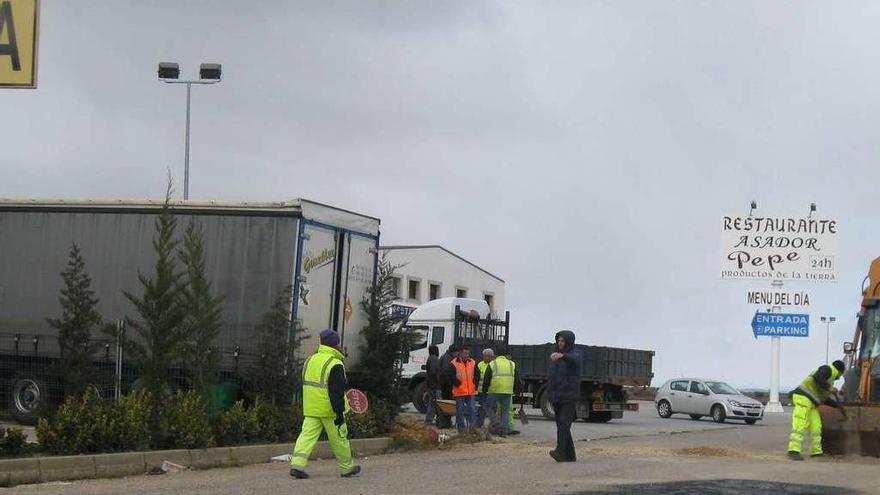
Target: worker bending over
{"points": [[816, 389]]}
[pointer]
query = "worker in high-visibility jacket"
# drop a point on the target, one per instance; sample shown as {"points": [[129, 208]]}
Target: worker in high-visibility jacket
{"points": [[324, 407], [465, 390], [488, 356], [816, 389], [499, 383]]}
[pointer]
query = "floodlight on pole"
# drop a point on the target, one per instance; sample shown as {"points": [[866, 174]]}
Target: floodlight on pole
{"points": [[169, 72]]}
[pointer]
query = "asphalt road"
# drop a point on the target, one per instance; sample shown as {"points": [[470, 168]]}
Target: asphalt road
{"points": [[645, 422]]}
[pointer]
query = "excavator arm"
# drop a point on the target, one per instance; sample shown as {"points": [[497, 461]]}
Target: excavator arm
{"points": [[859, 431]]}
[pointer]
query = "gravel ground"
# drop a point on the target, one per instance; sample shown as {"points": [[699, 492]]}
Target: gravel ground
{"points": [[719, 461]]}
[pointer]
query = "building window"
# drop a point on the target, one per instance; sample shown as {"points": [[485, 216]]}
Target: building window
{"points": [[414, 290], [433, 292], [395, 287], [490, 300], [461, 292]]}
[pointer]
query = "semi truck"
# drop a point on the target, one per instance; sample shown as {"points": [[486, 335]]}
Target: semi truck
{"points": [[605, 371], [254, 251]]}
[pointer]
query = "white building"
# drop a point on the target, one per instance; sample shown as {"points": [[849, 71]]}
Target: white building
{"points": [[426, 273]]}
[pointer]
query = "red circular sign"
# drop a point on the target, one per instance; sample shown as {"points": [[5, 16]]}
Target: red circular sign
{"points": [[357, 401]]}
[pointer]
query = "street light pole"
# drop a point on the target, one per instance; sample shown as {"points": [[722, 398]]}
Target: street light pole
{"points": [[186, 158], [208, 74], [827, 321]]}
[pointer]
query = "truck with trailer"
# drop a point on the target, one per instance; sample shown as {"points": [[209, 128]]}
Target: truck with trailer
{"points": [[326, 255], [605, 371]]}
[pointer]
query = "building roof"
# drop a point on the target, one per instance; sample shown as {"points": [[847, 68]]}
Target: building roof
{"points": [[437, 246], [310, 210]]}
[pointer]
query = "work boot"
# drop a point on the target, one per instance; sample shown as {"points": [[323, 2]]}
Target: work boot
{"points": [[298, 474], [795, 456], [351, 472], [816, 456], [513, 432]]}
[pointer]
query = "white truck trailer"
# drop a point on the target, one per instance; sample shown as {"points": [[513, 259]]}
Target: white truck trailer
{"points": [[253, 250]]}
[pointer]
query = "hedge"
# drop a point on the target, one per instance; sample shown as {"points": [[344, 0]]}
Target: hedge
{"points": [[137, 422]]}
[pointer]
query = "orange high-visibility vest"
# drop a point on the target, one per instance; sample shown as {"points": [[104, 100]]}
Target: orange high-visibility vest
{"points": [[464, 371]]}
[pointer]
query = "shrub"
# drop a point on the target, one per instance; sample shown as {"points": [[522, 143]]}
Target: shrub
{"points": [[81, 426], [276, 376], [183, 422], [204, 311], [276, 423], [159, 327], [384, 343], [134, 415], [262, 422], [79, 317], [379, 419], [236, 426], [12, 441]]}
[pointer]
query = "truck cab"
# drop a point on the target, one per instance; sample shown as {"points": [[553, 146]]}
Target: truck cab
{"points": [[443, 322]]}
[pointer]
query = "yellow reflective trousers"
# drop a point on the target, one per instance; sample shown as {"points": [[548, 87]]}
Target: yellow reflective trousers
{"points": [[311, 430], [805, 419]]}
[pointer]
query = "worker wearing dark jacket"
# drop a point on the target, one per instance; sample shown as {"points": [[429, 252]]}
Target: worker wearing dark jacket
{"points": [[447, 381], [432, 380], [563, 387], [816, 389], [324, 407]]}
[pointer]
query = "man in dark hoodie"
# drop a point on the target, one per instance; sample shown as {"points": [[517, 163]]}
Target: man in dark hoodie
{"points": [[432, 379], [447, 381], [564, 389]]}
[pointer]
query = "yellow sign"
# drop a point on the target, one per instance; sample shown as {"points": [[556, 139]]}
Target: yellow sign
{"points": [[18, 43]]}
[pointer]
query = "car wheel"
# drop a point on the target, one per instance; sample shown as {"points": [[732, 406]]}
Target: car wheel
{"points": [[751, 421], [664, 409], [718, 415], [420, 397], [28, 396], [696, 416]]}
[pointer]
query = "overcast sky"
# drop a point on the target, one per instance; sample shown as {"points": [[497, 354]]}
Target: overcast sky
{"points": [[584, 151]]}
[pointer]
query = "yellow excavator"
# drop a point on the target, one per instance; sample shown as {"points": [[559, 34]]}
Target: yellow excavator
{"points": [[859, 432]]}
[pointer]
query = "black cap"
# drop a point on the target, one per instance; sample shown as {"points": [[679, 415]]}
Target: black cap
{"points": [[841, 367]]}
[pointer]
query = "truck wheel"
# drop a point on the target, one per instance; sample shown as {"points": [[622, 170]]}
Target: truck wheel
{"points": [[664, 409], [547, 407], [718, 415], [599, 417], [420, 397], [28, 396]]}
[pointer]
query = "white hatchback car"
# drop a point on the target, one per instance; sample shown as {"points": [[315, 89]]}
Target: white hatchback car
{"points": [[698, 398]]}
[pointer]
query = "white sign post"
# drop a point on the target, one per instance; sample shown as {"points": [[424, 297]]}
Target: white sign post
{"points": [[778, 249]]}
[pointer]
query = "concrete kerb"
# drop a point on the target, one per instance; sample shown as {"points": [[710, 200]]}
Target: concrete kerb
{"points": [[64, 468], [69, 467]]}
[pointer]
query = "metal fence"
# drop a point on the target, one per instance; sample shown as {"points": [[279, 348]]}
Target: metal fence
{"points": [[33, 375]]}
